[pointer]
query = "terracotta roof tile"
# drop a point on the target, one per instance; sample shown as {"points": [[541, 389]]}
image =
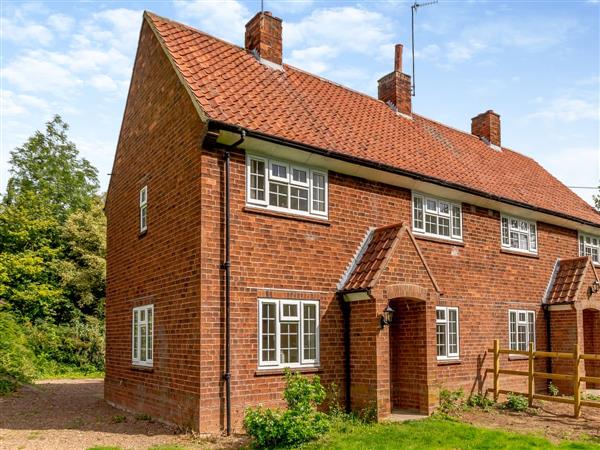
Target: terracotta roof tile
{"points": [[568, 278], [374, 258], [231, 86]]}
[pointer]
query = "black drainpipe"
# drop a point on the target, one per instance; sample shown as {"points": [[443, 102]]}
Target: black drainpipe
{"points": [[227, 267], [348, 381], [548, 338]]}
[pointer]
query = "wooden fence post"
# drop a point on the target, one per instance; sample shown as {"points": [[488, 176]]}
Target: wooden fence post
{"points": [[496, 368], [576, 381], [530, 375]]}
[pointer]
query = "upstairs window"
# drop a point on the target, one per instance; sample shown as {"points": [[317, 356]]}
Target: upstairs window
{"points": [[521, 329], [436, 217], [288, 333], [142, 334], [446, 330], [519, 234], [143, 209], [589, 246], [286, 187]]}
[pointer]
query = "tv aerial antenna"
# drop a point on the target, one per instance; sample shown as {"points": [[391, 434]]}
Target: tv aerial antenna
{"points": [[413, 10]]}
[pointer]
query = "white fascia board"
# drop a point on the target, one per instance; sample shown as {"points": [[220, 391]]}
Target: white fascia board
{"points": [[335, 165]]}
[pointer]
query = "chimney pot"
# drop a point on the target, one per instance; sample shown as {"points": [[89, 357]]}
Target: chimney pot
{"points": [[396, 86], [398, 59], [263, 35], [487, 126]]}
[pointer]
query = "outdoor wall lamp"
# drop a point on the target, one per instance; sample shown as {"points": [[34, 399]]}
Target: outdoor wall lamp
{"points": [[595, 287], [387, 316]]}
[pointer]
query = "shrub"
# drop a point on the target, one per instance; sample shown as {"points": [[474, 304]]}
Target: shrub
{"points": [[450, 402], [480, 401], [301, 422], [517, 402], [16, 357], [553, 390]]}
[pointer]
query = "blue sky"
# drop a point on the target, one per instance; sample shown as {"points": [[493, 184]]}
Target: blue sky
{"points": [[536, 63]]}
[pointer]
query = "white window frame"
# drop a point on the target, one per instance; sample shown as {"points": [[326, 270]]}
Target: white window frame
{"points": [[136, 359], [446, 321], [420, 230], [587, 246], [303, 362], [532, 247], [290, 183], [528, 314], [249, 198], [143, 209]]}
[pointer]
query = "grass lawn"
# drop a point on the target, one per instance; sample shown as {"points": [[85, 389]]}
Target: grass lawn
{"points": [[431, 434]]}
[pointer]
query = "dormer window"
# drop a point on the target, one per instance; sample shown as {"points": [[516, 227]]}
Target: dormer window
{"points": [[144, 209], [436, 217], [519, 234], [286, 187], [589, 246]]}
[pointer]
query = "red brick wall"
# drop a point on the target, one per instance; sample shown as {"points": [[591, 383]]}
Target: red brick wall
{"points": [[158, 147], [591, 339]]}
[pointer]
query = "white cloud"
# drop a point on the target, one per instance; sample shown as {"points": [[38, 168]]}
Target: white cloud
{"points": [[347, 28], [225, 19], [30, 34], [61, 23], [567, 109], [313, 59], [104, 83], [41, 71], [15, 104]]}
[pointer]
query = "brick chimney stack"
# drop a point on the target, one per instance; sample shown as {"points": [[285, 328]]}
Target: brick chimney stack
{"points": [[396, 87], [487, 126], [263, 35]]}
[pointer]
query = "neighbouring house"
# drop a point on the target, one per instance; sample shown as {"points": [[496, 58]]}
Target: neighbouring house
{"points": [[260, 217]]}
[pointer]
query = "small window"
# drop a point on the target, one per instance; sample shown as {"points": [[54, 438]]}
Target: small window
{"points": [[142, 335], [589, 246], [447, 333], [285, 187], [144, 209], [521, 329], [436, 217], [288, 333], [518, 234]]}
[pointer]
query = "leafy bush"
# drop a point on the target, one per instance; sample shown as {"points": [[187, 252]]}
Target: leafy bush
{"points": [[480, 401], [300, 422], [450, 402], [553, 390], [517, 402], [73, 347], [16, 357]]}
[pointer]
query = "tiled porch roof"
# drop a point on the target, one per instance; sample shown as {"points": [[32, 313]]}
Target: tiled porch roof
{"points": [[568, 279]]}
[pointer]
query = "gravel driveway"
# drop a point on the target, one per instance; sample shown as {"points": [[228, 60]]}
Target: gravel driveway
{"points": [[71, 414]]}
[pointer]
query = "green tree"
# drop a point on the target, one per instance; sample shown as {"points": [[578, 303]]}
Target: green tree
{"points": [[597, 200], [49, 166]]}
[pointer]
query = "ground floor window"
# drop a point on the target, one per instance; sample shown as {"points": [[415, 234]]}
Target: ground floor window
{"points": [[141, 335], [447, 334], [521, 329], [288, 333]]}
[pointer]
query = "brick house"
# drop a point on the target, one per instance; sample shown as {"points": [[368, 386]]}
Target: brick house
{"points": [[260, 217]]}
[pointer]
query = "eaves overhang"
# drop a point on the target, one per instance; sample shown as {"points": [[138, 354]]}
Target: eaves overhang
{"points": [[375, 171]]}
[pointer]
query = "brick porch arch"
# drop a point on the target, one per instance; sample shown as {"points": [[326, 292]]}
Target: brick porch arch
{"points": [[406, 291]]}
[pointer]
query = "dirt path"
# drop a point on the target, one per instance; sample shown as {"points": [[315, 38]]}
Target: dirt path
{"points": [[72, 415], [554, 421]]}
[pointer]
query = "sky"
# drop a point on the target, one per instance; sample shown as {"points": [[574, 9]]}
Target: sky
{"points": [[536, 63]]}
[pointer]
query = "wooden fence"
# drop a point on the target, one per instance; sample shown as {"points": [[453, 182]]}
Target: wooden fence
{"points": [[575, 377]]}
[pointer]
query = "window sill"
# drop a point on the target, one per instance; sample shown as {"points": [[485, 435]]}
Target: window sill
{"points": [[448, 362], [423, 237], [281, 371], [517, 357], [139, 368], [518, 253], [282, 215]]}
